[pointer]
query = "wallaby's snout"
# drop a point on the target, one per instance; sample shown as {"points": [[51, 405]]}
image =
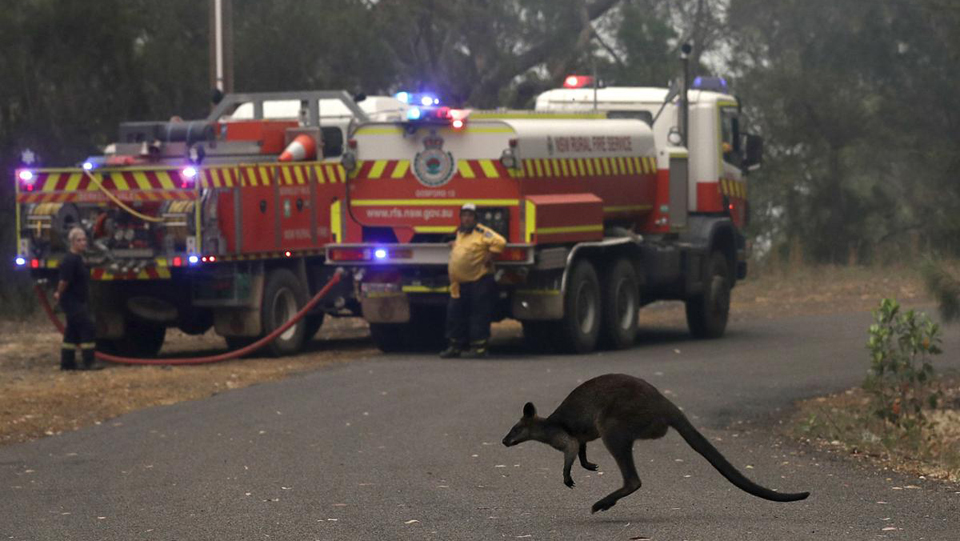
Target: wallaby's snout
{"points": [[521, 431]]}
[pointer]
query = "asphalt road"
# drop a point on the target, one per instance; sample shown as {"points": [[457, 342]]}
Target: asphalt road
{"points": [[407, 447]]}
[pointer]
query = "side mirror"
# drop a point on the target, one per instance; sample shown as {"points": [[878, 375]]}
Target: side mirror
{"points": [[754, 152]]}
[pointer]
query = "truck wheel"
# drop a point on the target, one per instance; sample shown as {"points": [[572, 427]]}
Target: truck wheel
{"points": [[313, 324], [707, 313], [620, 303], [283, 297], [141, 340], [580, 325], [389, 337]]}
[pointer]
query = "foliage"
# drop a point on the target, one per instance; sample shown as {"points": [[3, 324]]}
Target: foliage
{"points": [[945, 288], [900, 380], [860, 119]]}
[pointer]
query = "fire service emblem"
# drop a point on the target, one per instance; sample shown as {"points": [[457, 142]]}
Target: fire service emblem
{"points": [[433, 167]]}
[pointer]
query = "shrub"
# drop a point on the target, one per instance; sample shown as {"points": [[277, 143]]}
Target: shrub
{"points": [[900, 380]]}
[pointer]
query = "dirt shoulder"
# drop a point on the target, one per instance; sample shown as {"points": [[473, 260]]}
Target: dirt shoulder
{"points": [[36, 399]]}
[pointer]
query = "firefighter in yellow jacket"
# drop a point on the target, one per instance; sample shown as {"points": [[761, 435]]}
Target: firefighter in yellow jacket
{"points": [[473, 291]]}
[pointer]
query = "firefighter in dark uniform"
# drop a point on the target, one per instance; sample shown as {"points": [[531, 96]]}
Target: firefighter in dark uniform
{"points": [[473, 291], [73, 295]]}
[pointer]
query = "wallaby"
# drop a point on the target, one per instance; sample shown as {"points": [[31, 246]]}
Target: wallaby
{"points": [[620, 409]]}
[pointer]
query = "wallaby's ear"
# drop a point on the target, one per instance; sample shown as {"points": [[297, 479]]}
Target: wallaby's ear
{"points": [[529, 410]]}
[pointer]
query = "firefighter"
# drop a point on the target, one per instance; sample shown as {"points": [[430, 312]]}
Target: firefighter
{"points": [[473, 291], [73, 295]]}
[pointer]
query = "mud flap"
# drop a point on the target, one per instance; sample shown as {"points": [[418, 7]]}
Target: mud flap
{"points": [[386, 307]]}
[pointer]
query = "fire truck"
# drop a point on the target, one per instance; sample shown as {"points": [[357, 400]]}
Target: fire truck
{"points": [[609, 198], [217, 223]]}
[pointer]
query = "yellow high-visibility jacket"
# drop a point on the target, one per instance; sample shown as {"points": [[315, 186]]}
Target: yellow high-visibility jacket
{"points": [[468, 259]]}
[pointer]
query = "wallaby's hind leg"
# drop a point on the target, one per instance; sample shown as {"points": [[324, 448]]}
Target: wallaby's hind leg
{"points": [[622, 450], [583, 458]]}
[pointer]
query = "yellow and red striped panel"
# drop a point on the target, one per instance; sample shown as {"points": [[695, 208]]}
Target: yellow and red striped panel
{"points": [[149, 273], [591, 167], [733, 188], [127, 185], [285, 175]]}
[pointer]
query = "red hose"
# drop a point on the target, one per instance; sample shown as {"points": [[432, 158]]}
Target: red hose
{"points": [[210, 358]]}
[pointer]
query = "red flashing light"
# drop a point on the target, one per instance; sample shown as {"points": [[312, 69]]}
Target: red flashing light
{"points": [[287, 253], [349, 254], [204, 259], [352, 143], [178, 261], [213, 259], [512, 254], [577, 81], [457, 124], [34, 263]]}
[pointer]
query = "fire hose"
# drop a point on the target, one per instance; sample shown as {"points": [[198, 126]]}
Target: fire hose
{"points": [[45, 303]]}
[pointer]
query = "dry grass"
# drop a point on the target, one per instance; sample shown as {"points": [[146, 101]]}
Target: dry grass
{"points": [[844, 423], [37, 399]]}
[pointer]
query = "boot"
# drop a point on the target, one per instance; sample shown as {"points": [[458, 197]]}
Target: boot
{"points": [[90, 360], [478, 350], [68, 358], [453, 351]]}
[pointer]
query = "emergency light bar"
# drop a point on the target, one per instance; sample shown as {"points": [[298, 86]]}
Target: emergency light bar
{"points": [[423, 98], [455, 118], [577, 81], [716, 84]]}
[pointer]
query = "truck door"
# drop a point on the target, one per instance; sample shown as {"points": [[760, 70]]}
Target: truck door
{"points": [[733, 187]]}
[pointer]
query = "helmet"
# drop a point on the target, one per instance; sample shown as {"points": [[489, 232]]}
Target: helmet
{"points": [[469, 207]]}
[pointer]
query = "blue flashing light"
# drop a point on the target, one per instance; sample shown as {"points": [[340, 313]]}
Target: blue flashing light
{"points": [[380, 253], [426, 101], [193, 259], [190, 172], [88, 166], [20, 261], [26, 175], [716, 84], [403, 96], [413, 113]]}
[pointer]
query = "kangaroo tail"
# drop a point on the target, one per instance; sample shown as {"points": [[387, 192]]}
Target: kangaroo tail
{"points": [[700, 444]]}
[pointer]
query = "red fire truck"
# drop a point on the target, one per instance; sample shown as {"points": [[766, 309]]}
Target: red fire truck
{"points": [[609, 198], [200, 224]]}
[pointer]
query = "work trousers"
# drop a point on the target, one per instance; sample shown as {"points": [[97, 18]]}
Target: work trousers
{"points": [[469, 316], [80, 332]]}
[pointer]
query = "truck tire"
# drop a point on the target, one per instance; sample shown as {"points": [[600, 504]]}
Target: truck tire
{"points": [[580, 326], [313, 324], [620, 303], [141, 340], [708, 312], [283, 297], [389, 337]]}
